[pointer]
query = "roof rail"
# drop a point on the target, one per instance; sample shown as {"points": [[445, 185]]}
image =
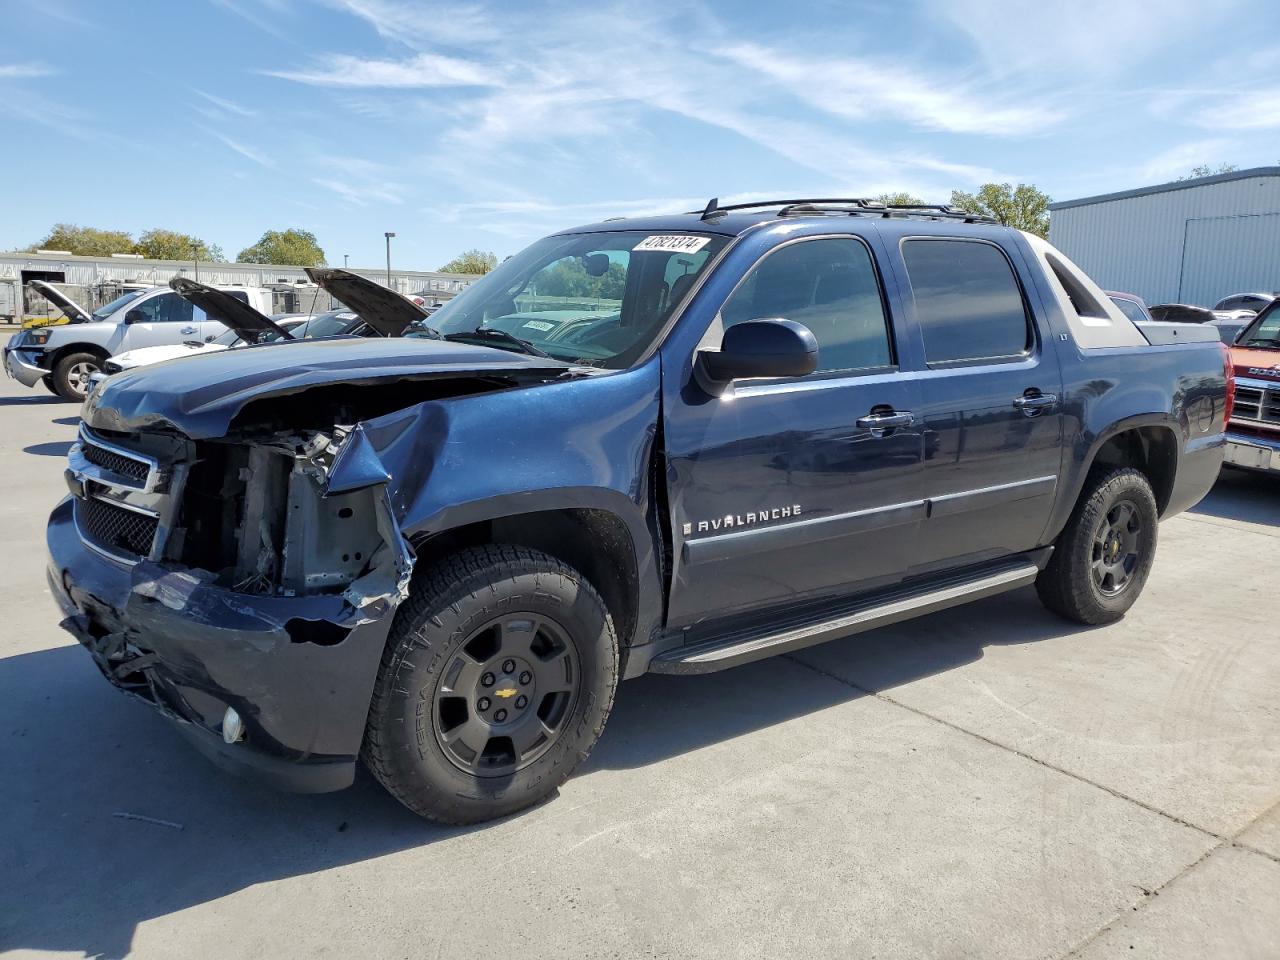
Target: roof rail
{"points": [[848, 205]]}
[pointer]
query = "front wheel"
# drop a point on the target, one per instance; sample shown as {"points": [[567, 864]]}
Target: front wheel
{"points": [[1104, 554], [71, 375], [496, 681]]}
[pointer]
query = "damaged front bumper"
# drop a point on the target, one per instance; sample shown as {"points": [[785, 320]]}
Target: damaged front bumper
{"points": [[299, 670]]}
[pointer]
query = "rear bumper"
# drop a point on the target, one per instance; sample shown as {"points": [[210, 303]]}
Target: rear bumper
{"points": [[1253, 453], [191, 649], [23, 366]]}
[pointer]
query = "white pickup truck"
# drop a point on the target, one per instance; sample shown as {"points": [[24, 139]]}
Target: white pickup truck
{"points": [[65, 356]]}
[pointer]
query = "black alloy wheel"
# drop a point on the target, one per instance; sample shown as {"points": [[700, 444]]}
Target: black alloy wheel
{"points": [[505, 697], [1116, 548], [497, 678]]}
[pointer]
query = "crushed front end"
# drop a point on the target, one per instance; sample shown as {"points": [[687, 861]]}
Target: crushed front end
{"points": [[243, 586]]}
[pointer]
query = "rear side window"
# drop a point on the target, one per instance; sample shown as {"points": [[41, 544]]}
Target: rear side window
{"points": [[967, 298], [830, 286], [1130, 309]]}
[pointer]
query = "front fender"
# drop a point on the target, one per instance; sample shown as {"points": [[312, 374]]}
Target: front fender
{"points": [[579, 443]]}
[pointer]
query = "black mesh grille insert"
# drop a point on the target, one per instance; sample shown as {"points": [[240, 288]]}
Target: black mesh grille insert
{"points": [[115, 528], [117, 463]]}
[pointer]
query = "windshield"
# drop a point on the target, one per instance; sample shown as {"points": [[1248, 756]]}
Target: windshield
{"points": [[332, 324], [592, 298], [1264, 331], [107, 309]]}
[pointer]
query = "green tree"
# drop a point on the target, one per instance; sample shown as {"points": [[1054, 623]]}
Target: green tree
{"points": [[1023, 207], [899, 198], [293, 246], [159, 244], [1204, 170], [569, 278], [471, 261], [85, 241]]}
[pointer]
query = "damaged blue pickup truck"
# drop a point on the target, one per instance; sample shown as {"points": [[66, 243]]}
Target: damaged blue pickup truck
{"points": [[673, 444]]}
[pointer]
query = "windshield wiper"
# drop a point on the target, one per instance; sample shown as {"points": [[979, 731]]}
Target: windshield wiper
{"points": [[500, 336], [1257, 341]]}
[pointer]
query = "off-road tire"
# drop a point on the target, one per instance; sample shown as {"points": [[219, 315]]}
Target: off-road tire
{"points": [[1067, 585], [62, 375], [447, 604]]}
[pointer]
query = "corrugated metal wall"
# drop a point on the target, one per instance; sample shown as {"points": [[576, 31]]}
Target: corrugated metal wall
{"points": [[87, 271], [1192, 245]]}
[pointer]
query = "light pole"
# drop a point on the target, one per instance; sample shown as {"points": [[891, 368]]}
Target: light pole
{"points": [[388, 236], [344, 260]]}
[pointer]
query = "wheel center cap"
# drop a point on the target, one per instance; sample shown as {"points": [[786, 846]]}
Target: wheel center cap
{"points": [[506, 691]]}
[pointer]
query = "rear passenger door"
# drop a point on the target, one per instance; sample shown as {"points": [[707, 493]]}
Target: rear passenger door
{"points": [[990, 405]]}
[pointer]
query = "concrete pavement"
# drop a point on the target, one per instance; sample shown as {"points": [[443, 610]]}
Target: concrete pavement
{"points": [[986, 782]]}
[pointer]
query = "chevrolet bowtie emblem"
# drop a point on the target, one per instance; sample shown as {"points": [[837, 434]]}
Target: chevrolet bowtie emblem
{"points": [[506, 694]]}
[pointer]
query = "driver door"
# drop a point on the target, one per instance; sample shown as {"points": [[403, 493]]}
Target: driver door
{"points": [[784, 490]]}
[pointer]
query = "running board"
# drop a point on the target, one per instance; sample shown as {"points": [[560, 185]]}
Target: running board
{"points": [[737, 648]]}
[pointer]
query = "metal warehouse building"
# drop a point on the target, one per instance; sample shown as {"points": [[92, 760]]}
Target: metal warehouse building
{"points": [[94, 280], [1191, 241]]}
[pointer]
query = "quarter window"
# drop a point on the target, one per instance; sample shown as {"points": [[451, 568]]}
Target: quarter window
{"points": [[830, 286], [967, 300]]}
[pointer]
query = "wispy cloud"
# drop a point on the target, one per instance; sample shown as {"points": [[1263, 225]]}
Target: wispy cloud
{"points": [[358, 194], [1177, 161], [864, 89], [424, 70], [248, 152], [260, 13], [1080, 40], [23, 71], [438, 23], [357, 181], [1247, 110], [226, 105]]}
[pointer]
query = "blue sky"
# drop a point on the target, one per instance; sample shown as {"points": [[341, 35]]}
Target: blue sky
{"points": [[488, 125]]}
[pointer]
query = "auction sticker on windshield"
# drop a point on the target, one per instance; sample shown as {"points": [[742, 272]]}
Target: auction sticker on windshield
{"points": [[671, 242]]}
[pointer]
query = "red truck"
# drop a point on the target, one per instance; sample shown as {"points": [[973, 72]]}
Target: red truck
{"points": [[1253, 433]]}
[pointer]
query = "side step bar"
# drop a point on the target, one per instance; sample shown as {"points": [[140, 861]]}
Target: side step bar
{"points": [[735, 649]]}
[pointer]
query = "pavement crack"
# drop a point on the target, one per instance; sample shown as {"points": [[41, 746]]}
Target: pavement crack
{"points": [[1014, 750], [1223, 843]]}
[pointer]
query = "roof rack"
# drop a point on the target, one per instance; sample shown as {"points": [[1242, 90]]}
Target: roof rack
{"points": [[852, 206]]}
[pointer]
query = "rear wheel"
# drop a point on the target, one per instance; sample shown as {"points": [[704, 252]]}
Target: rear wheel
{"points": [[496, 681], [71, 375], [1103, 556]]}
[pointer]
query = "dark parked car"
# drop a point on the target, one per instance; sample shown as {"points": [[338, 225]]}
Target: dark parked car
{"points": [[1181, 313], [766, 426], [1246, 301]]}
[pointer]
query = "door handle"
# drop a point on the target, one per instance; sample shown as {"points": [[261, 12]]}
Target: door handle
{"points": [[1033, 401], [187, 330], [889, 419]]}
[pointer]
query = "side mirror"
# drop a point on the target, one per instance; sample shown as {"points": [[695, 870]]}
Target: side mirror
{"points": [[135, 316], [757, 348]]}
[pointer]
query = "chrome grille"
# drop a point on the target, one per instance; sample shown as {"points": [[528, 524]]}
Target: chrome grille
{"points": [[117, 463], [117, 530], [1260, 404]]}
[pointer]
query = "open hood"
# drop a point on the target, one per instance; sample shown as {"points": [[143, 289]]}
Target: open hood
{"points": [[202, 395], [383, 309], [222, 306], [73, 310]]}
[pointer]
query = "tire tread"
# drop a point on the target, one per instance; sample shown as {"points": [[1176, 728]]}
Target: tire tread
{"points": [[469, 573]]}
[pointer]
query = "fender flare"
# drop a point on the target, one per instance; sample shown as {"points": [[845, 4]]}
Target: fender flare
{"points": [[1071, 494], [649, 590]]}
